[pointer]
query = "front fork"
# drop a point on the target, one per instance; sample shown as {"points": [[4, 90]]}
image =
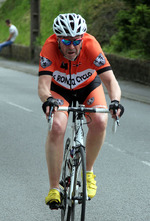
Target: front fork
{"points": [[77, 139]]}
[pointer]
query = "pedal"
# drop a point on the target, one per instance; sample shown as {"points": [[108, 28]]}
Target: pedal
{"points": [[54, 206]]}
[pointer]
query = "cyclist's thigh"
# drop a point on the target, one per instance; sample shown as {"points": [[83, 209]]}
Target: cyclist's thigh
{"points": [[92, 95], [96, 98]]}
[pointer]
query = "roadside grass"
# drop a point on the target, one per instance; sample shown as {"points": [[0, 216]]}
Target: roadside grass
{"points": [[132, 53]]}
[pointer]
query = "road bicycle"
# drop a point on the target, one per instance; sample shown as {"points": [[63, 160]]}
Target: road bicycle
{"points": [[73, 173]]}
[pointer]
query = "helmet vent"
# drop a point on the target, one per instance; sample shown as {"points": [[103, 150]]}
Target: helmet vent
{"points": [[66, 31], [58, 32], [78, 30], [70, 24], [63, 23]]}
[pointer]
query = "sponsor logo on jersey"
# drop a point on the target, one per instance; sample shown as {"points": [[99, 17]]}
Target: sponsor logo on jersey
{"points": [[64, 65], [45, 62], [60, 102], [100, 60], [70, 82], [90, 101]]}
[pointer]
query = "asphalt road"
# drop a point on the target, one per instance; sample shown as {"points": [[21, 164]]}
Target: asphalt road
{"points": [[122, 167]]}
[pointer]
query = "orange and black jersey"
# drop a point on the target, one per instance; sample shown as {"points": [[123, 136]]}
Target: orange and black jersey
{"points": [[76, 74]]}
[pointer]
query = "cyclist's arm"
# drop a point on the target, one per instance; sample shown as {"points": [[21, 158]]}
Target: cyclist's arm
{"points": [[111, 84], [44, 85]]}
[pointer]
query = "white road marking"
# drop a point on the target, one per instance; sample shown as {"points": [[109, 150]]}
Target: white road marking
{"points": [[115, 148], [146, 163], [122, 151], [21, 107]]}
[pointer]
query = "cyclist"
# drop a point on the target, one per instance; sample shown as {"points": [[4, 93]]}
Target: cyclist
{"points": [[73, 63]]}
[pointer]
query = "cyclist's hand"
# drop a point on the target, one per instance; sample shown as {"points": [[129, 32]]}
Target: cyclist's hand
{"points": [[116, 109], [50, 102]]}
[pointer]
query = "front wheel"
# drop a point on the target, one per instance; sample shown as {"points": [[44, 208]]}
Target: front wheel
{"points": [[77, 209], [65, 182]]}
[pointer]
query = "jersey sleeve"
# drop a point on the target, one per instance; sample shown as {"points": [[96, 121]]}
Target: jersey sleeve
{"points": [[46, 63], [97, 56]]}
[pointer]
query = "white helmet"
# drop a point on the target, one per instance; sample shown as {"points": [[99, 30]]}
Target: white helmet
{"points": [[69, 24]]}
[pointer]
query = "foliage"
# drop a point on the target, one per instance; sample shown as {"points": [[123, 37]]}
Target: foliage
{"points": [[133, 29], [102, 19], [134, 3]]}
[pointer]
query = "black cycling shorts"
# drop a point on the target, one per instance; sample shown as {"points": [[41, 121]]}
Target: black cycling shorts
{"points": [[91, 95]]}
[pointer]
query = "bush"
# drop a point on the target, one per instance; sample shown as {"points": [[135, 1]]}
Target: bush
{"points": [[133, 29]]}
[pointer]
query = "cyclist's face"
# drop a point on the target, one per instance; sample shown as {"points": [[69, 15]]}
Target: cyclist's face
{"points": [[72, 50]]}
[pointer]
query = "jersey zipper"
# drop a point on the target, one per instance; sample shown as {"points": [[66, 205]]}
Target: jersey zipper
{"points": [[70, 73]]}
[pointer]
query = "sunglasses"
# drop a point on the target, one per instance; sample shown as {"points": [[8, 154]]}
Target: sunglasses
{"points": [[68, 42]]}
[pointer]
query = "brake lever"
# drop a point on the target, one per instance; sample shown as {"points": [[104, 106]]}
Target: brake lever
{"points": [[50, 118], [116, 123], [50, 114]]}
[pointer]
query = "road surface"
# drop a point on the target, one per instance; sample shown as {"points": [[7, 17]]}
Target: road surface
{"points": [[122, 167]]}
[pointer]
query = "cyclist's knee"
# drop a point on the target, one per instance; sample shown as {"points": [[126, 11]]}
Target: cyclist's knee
{"points": [[59, 126], [99, 122]]}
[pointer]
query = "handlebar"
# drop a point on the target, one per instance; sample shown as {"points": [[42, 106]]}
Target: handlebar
{"points": [[82, 109]]}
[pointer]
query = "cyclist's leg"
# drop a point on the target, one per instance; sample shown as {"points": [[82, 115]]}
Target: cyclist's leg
{"points": [[97, 127], [93, 96], [54, 143]]}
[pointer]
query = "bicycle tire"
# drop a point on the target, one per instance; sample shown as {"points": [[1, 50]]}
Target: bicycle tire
{"points": [[74, 214], [65, 183]]}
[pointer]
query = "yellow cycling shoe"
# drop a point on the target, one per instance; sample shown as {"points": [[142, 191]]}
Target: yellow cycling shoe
{"points": [[91, 184], [53, 199]]}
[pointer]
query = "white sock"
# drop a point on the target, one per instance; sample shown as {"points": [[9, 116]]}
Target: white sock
{"points": [[89, 171], [56, 189]]}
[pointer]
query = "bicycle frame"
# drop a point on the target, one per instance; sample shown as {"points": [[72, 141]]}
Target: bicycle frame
{"points": [[77, 140]]}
